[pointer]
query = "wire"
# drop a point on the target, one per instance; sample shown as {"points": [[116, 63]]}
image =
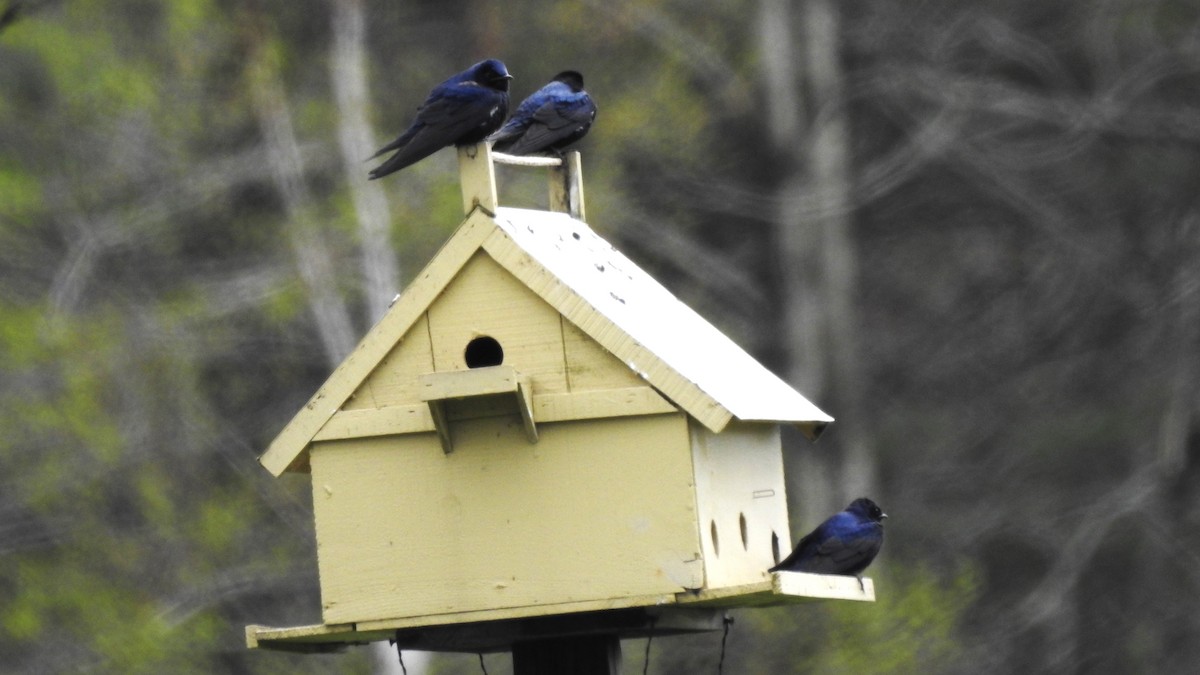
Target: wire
{"points": [[482, 665], [400, 655], [649, 639], [728, 621]]}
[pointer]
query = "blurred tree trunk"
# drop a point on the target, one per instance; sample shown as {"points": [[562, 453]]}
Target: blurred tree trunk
{"points": [[1178, 421], [486, 22], [816, 261], [348, 75], [312, 256], [1162, 634], [831, 183], [800, 327]]}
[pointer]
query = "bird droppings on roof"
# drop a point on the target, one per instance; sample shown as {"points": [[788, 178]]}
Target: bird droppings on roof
{"points": [[650, 314]]}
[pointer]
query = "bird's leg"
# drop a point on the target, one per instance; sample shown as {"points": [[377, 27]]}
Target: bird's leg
{"points": [[861, 586]]}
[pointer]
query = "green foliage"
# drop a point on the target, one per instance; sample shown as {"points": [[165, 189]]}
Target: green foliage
{"points": [[913, 627], [917, 625], [20, 193], [86, 60]]}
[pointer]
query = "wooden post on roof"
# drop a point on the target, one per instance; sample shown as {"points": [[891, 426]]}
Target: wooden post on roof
{"points": [[566, 186], [478, 178], [582, 655]]}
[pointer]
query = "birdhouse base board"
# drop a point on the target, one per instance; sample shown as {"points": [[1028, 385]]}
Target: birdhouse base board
{"points": [[691, 613], [493, 636]]}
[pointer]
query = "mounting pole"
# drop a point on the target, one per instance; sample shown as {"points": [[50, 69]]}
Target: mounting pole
{"points": [[582, 655]]}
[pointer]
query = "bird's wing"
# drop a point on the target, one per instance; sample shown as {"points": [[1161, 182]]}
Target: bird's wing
{"points": [[520, 120], [803, 549], [449, 114], [400, 141], [843, 544], [461, 106], [845, 554], [553, 122], [567, 113], [512, 129]]}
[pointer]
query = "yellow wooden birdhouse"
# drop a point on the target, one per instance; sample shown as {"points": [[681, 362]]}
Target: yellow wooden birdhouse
{"points": [[538, 428]]}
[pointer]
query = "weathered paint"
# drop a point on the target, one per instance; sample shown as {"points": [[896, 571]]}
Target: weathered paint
{"points": [[588, 471], [741, 500], [595, 510]]}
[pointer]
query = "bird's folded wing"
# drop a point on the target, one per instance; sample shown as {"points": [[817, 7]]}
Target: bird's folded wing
{"points": [[845, 551], [458, 108], [553, 122], [558, 114]]}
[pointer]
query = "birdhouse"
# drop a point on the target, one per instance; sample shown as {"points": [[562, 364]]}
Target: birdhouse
{"points": [[538, 429]]}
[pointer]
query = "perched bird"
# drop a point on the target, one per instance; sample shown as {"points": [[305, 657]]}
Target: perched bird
{"points": [[844, 544], [552, 118], [460, 111]]}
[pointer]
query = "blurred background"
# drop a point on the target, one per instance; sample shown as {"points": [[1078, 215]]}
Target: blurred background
{"points": [[969, 231]]}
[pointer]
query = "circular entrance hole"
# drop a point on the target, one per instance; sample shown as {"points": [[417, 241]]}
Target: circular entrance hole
{"points": [[482, 352]]}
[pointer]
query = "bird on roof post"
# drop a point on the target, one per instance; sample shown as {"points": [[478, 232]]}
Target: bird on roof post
{"points": [[552, 118], [845, 543], [463, 110]]}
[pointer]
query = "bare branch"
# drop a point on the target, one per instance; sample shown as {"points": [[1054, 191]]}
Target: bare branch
{"points": [[349, 79], [308, 245]]}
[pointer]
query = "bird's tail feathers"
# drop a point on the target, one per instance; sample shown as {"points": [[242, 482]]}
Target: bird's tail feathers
{"points": [[500, 138], [384, 150], [396, 144]]}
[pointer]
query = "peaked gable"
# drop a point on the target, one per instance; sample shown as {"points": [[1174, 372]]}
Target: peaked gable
{"points": [[602, 295], [633, 316]]}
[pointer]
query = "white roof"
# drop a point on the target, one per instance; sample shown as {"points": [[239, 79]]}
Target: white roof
{"points": [[653, 317]]}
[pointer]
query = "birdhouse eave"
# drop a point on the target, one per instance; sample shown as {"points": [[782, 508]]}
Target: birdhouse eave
{"points": [[666, 344]]}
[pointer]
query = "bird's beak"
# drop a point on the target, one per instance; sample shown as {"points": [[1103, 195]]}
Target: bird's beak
{"points": [[883, 516], [507, 77]]}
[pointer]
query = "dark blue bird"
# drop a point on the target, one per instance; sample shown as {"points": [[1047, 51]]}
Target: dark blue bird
{"points": [[552, 118], [844, 544], [460, 111]]}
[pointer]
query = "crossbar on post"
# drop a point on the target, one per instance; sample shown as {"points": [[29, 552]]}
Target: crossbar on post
{"points": [[519, 160], [478, 175]]}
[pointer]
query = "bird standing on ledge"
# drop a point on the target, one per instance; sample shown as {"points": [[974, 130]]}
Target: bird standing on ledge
{"points": [[460, 111], [844, 544], [552, 118]]}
